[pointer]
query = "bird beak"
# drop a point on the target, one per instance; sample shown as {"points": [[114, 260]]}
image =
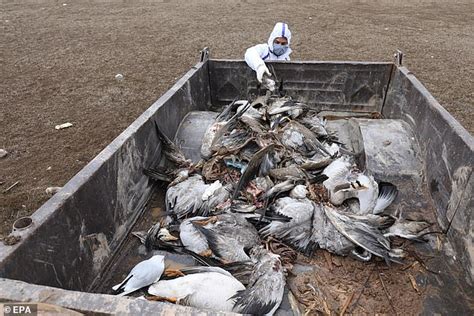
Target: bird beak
{"points": [[165, 235]]}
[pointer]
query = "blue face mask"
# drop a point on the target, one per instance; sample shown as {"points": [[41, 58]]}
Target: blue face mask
{"points": [[279, 49]]}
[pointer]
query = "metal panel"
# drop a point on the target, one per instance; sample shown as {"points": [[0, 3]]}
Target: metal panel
{"points": [[448, 154], [337, 86]]}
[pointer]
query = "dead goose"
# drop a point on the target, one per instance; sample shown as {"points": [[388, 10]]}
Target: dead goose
{"points": [[209, 288], [143, 274], [264, 292]]}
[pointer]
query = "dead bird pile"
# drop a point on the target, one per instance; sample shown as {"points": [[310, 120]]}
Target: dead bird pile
{"points": [[272, 182]]}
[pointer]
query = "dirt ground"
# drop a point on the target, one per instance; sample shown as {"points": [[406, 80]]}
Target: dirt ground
{"points": [[59, 58]]}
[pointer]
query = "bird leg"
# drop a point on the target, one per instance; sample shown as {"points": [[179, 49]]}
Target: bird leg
{"points": [[204, 222], [162, 298], [206, 253], [173, 273]]}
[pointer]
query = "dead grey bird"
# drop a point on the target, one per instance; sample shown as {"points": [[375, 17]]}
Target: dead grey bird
{"points": [[279, 188], [171, 151], [291, 219], [362, 233], [260, 165], [192, 238], [292, 172], [155, 236], [143, 274], [315, 124], [173, 176], [231, 142], [297, 137], [228, 235], [264, 292], [209, 288], [223, 123], [412, 230], [193, 197]]}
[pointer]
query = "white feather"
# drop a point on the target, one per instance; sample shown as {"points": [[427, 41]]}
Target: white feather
{"points": [[209, 290]]}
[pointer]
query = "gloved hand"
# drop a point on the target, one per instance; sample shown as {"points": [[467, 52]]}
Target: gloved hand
{"points": [[261, 70]]}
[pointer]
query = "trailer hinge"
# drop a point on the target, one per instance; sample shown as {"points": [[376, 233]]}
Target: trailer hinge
{"points": [[204, 54], [398, 56]]}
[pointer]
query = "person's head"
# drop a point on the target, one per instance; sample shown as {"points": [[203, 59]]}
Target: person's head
{"points": [[279, 40]]}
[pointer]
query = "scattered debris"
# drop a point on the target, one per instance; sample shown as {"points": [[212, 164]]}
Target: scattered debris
{"points": [[52, 190], [119, 77], [10, 240], [63, 126], [387, 143], [413, 283], [3, 153], [11, 187]]}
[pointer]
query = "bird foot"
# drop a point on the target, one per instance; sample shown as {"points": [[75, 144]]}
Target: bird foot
{"points": [[206, 253], [173, 300], [173, 273], [210, 220]]}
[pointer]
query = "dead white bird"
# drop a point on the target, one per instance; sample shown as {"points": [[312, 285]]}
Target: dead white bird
{"points": [[143, 274], [366, 190], [337, 171], [209, 288]]}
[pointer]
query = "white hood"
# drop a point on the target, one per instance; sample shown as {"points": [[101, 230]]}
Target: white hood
{"points": [[280, 30]]}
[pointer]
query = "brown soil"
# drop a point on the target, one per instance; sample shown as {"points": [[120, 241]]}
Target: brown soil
{"points": [[339, 285], [58, 65]]}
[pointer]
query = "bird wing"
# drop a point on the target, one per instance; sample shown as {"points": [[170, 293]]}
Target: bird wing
{"points": [[252, 169], [171, 151], [387, 193], [361, 234]]}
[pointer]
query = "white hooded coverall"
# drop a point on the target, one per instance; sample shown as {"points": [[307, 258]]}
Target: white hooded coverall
{"points": [[258, 54]]}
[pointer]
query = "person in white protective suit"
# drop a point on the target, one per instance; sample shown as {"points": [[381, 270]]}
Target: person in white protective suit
{"points": [[277, 48]]}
